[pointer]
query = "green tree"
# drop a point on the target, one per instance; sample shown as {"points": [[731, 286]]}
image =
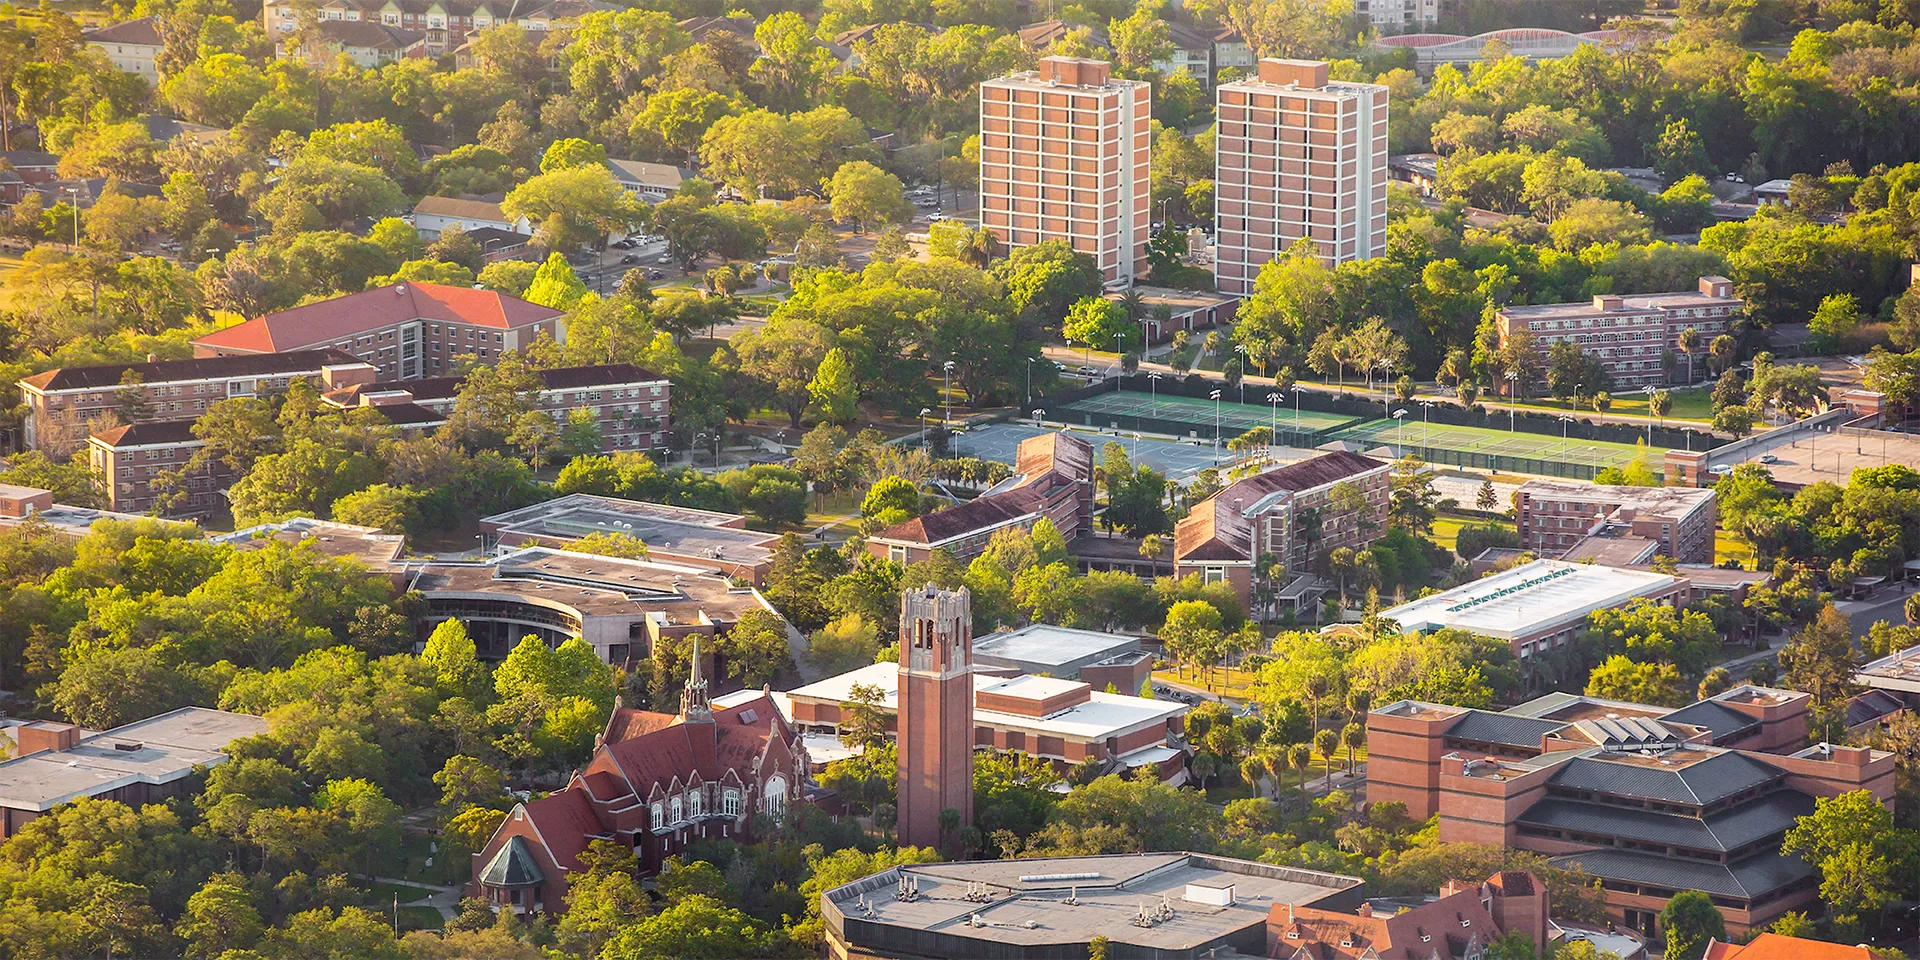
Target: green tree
{"points": [[1656, 684], [861, 191], [697, 928], [835, 388], [1099, 322], [574, 206], [451, 652], [572, 152], [1690, 921]]}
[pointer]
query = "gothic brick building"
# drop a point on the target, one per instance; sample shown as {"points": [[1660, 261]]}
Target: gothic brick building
{"points": [[656, 783]]}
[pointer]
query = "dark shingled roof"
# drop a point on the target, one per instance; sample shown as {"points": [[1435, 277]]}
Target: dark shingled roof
{"points": [[108, 375], [1213, 530], [1747, 879], [1722, 832], [1484, 727], [149, 432], [1871, 706], [1724, 721], [1700, 782], [513, 866]]}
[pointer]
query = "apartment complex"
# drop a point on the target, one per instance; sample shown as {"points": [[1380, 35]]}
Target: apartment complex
{"points": [[1064, 156], [405, 330], [630, 405], [1558, 518], [1537, 606], [1053, 478], [133, 46], [1649, 800], [1629, 335], [1287, 512], [129, 461], [443, 24], [1298, 157], [365, 43], [66, 403]]}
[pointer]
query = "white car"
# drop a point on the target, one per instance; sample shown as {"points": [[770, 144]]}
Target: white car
{"points": [[664, 259], [937, 217]]}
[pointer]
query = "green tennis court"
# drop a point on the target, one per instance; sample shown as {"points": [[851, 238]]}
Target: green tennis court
{"points": [[1479, 442], [1235, 417]]}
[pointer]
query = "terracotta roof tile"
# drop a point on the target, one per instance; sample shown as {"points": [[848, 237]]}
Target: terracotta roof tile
{"points": [[567, 823], [320, 324]]}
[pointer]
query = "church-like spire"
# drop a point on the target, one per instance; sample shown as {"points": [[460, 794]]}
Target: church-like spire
{"points": [[694, 705]]}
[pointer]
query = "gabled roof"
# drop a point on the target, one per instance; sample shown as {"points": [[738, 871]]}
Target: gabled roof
{"points": [[29, 158], [148, 432], [1773, 946], [1752, 877], [1217, 530], [368, 34], [1503, 728], [462, 208], [140, 31], [321, 323], [1046, 32], [664, 175], [109, 375], [1043, 465], [566, 823], [513, 866], [1872, 706], [1726, 831], [1723, 720]]}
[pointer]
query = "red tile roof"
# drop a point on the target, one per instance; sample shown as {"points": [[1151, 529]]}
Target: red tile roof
{"points": [[1406, 935], [1773, 946], [1216, 530], [567, 823], [326, 321]]}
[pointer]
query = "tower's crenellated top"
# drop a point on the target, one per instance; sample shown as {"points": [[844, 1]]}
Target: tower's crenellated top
{"points": [[936, 630]]}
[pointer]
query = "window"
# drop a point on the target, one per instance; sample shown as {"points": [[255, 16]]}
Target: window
{"points": [[776, 799], [674, 809], [659, 815], [693, 804], [730, 801]]}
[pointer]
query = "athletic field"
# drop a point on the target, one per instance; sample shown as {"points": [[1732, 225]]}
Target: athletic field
{"points": [[1235, 418], [1475, 443]]}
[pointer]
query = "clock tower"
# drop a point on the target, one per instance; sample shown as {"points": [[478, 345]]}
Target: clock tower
{"points": [[935, 740]]}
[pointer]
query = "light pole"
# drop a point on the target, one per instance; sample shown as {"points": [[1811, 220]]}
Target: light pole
{"points": [[1153, 391], [1296, 409], [946, 419], [1386, 386], [1039, 416], [1400, 431], [701, 440], [1273, 427], [1116, 358], [1648, 390], [1513, 384], [1135, 455], [1241, 349], [1426, 416], [1216, 425], [1030, 361], [926, 438], [1563, 434]]}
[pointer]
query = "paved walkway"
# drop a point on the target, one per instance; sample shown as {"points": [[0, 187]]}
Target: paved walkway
{"points": [[444, 899]]}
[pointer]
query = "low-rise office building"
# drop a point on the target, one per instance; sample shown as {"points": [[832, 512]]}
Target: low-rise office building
{"points": [[1287, 512], [1065, 721], [1538, 606], [1175, 906], [407, 331], [1099, 659], [143, 762], [678, 535], [1649, 800], [1052, 478], [1556, 517], [1629, 335]]}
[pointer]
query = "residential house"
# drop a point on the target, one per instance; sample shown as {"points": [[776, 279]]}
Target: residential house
{"points": [[132, 46], [652, 182], [435, 214], [365, 43]]}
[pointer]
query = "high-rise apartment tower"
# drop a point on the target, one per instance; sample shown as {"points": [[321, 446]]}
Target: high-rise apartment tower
{"points": [[1064, 156], [935, 712], [1298, 157]]}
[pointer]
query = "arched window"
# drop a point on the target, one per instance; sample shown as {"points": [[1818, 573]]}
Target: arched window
{"points": [[693, 803], [659, 815], [730, 801], [674, 806], [776, 799]]}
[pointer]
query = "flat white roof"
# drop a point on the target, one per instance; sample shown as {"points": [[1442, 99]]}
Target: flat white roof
{"points": [[1104, 715], [1043, 643], [1898, 671], [157, 750], [1030, 687], [1529, 599]]}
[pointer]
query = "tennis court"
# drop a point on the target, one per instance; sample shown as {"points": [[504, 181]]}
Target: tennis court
{"points": [[1235, 418], [1495, 449], [1001, 442]]}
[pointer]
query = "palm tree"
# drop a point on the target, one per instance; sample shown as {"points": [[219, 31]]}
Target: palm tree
{"points": [[1689, 344], [1353, 736], [1722, 350], [1133, 303], [1660, 404], [1913, 609], [1253, 769], [1326, 743], [1204, 766], [1300, 758], [1153, 546]]}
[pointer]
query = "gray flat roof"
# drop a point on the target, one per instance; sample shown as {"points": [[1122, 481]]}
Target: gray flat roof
{"points": [[157, 750], [1046, 644], [1027, 907], [682, 531]]}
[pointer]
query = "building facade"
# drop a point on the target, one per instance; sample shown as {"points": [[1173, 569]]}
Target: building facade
{"points": [[1649, 800], [407, 331], [1064, 155], [656, 783], [1299, 158], [630, 406], [132, 45], [443, 24], [65, 404], [1540, 606], [129, 463], [1052, 480], [1630, 335], [935, 713], [367, 44], [1288, 512], [1461, 923], [433, 215], [1557, 516]]}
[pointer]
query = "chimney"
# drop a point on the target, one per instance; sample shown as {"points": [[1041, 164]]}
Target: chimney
{"points": [[1305, 74]]}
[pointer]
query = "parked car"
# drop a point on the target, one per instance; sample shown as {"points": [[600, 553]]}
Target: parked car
{"points": [[656, 275], [664, 259], [1769, 458], [629, 258], [937, 217]]}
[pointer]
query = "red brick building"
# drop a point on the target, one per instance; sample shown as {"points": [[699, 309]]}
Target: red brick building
{"points": [[1556, 516], [935, 713], [407, 331], [656, 783], [1283, 512], [1649, 800], [1629, 335], [1459, 924], [1053, 478]]}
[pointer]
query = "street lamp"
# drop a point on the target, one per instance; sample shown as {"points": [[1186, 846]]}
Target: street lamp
{"points": [[700, 440], [1386, 385], [1563, 434], [1513, 384], [1039, 416], [946, 420], [1215, 395], [1649, 391], [1117, 337], [926, 439], [1241, 349], [1030, 362], [1273, 405], [1426, 416], [1400, 431]]}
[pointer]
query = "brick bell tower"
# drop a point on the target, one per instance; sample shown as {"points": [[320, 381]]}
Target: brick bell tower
{"points": [[936, 712]]}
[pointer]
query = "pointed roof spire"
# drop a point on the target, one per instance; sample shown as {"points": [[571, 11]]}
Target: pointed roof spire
{"points": [[694, 705]]}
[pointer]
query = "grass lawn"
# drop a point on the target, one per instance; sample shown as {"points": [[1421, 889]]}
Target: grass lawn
{"points": [[1446, 528], [420, 918], [1695, 404], [1225, 681], [409, 861], [383, 893], [1729, 546]]}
